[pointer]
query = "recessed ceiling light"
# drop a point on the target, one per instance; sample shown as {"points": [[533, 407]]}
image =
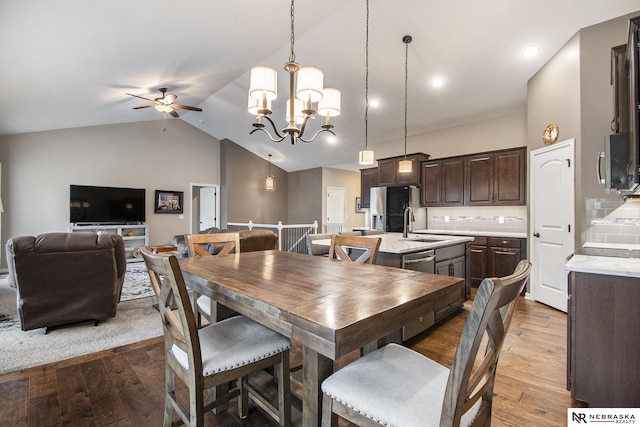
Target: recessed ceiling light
{"points": [[437, 82], [530, 51], [374, 103]]}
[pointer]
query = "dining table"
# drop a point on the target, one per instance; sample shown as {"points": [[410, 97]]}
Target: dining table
{"points": [[329, 307]]}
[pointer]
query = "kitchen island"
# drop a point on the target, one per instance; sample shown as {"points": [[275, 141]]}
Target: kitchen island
{"points": [[443, 255], [603, 324]]}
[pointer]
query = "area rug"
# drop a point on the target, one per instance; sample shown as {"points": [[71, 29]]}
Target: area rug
{"points": [[135, 320]]}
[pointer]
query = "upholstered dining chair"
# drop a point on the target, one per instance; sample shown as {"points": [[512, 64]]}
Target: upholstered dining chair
{"points": [[400, 387], [366, 248], [226, 351], [209, 245]]}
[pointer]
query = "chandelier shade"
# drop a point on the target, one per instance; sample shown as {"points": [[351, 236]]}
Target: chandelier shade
{"points": [[306, 89], [264, 83], [329, 105]]}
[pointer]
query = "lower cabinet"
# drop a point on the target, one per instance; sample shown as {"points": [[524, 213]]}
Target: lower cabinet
{"points": [[603, 346], [494, 257]]}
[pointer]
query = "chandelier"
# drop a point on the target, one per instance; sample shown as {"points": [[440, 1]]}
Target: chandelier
{"points": [[303, 97]]}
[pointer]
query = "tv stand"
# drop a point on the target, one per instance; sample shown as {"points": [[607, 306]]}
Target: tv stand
{"points": [[134, 235]]}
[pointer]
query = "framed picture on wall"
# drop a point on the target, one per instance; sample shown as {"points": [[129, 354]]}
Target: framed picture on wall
{"points": [[359, 208], [168, 201]]}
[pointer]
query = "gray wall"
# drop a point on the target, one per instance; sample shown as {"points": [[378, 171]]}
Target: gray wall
{"points": [[305, 197], [243, 187], [38, 168], [573, 90]]}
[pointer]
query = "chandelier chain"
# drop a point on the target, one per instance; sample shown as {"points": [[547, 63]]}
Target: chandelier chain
{"points": [[292, 55], [366, 85]]}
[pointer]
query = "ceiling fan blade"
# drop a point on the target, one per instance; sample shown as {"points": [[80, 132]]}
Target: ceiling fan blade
{"points": [[173, 113], [186, 107], [141, 97], [144, 106]]}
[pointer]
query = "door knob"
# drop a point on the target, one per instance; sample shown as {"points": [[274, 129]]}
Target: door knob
{"points": [[536, 234]]}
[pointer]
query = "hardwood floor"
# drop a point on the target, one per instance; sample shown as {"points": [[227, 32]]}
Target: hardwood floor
{"points": [[124, 386]]}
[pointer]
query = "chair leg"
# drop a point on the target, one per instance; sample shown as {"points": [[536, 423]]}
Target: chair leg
{"points": [[168, 404], [243, 399], [329, 419]]}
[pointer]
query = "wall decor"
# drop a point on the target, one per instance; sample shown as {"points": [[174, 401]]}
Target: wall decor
{"points": [[168, 201]]}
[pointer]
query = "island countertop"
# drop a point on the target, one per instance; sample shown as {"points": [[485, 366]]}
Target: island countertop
{"points": [[473, 233], [394, 243]]}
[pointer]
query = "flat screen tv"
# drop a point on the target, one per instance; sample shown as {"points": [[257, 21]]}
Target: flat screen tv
{"points": [[106, 205]]}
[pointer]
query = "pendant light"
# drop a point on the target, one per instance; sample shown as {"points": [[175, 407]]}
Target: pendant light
{"points": [[270, 182], [366, 156], [405, 166]]}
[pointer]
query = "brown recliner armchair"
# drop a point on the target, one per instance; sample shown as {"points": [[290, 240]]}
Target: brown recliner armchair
{"points": [[250, 241], [66, 277]]}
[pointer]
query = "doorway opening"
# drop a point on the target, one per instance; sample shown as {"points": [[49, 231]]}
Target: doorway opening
{"points": [[205, 207]]}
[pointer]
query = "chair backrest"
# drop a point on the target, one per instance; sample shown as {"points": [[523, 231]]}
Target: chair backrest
{"points": [[368, 245], [312, 248], [174, 305], [201, 244], [472, 374]]}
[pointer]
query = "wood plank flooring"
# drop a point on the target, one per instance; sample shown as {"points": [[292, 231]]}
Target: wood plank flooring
{"points": [[124, 386]]}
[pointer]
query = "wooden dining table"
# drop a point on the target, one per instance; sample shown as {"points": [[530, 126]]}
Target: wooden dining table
{"points": [[330, 307]]}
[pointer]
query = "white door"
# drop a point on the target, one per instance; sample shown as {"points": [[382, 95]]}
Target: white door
{"points": [[553, 223], [335, 209], [207, 207]]}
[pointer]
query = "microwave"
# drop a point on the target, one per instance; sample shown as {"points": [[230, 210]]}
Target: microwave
{"points": [[620, 159]]}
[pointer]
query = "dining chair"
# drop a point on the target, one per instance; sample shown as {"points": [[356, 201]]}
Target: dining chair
{"points": [[223, 352], [397, 386], [214, 244], [366, 248], [316, 249]]}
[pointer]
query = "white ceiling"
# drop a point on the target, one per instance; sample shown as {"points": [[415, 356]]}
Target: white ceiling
{"points": [[69, 63]]}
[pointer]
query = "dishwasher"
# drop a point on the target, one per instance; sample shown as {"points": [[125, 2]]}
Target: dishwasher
{"points": [[424, 261]]}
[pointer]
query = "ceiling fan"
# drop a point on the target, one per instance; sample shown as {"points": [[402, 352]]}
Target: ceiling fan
{"points": [[165, 104]]}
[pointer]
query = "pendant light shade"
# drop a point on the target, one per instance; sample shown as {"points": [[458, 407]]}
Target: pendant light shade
{"points": [[405, 166], [270, 181], [366, 156]]}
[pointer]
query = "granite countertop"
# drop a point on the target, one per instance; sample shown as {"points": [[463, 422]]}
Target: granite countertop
{"points": [[474, 233], [613, 266], [394, 243]]}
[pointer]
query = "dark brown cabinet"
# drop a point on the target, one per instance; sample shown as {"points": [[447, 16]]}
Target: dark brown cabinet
{"points": [[495, 178], [494, 257], [388, 170], [620, 82], [442, 182], [368, 179], [603, 340]]}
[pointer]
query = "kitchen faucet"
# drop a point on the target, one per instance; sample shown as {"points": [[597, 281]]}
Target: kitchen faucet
{"points": [[406, 217]]}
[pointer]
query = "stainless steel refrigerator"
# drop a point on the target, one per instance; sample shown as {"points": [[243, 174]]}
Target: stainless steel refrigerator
{"points": [[387, 205]]}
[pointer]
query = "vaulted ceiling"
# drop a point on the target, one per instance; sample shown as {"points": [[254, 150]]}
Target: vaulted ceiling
{"points": [[69, 63]]}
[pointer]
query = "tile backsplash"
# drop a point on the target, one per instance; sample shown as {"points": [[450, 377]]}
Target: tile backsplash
{"points": [[512, 219], [613, 221]]}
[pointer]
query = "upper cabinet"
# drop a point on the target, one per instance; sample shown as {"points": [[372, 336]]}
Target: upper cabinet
{"points": [[388, 170], [442, 182], [368, 179], [495, 178]]}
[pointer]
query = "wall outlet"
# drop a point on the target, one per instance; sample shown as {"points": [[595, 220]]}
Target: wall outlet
{"points": [[500, 220], [446, 218], [181, 216]]}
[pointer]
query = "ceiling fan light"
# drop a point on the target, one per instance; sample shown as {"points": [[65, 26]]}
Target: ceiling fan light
{"points": [[405, 166], [163, 108], [297, 111], [329, 105], [264, 83], [366, 157], [170, 99], [310, 83]]}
